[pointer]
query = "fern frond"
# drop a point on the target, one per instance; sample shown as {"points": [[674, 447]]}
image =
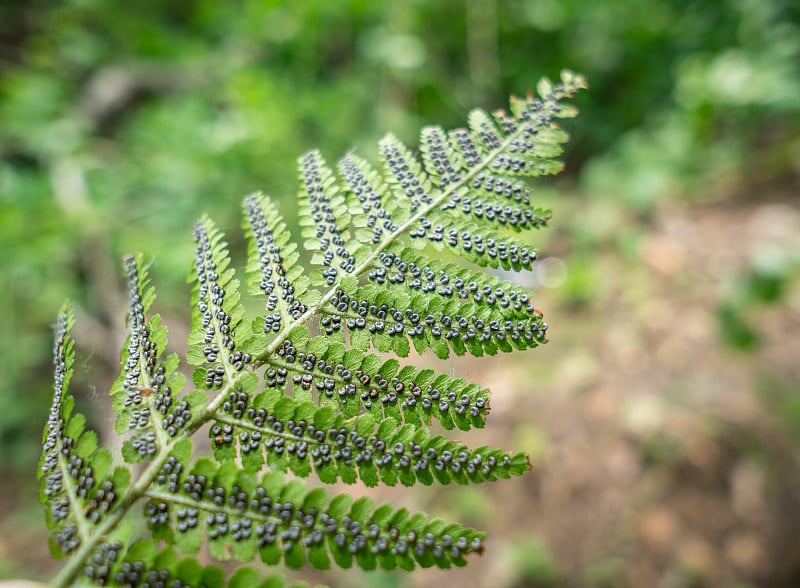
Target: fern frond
{"points": [[76, 481], [145, 391], [296, 435], [273, 268], [325, 219], [465, 171], [280, 520], [367, 191], [354, 382], [277, 400], [389, 319], [403, 269], [215, 338]]}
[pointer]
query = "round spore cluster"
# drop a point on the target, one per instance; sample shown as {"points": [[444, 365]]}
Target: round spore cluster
{"points": [[170, 474], [100, 565], [178, 418], [288, 351], [145, 444], [157, 512], [236, 402], [137, 574], [67, 538], [101, 502]]}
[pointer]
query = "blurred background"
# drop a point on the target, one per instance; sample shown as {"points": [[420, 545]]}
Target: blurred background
{"points": [[662, 419]]}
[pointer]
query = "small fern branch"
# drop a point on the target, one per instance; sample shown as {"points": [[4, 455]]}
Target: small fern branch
{"points": [[353, 382], [296, 436], [143, 393], [531, 114], [242, 516]]}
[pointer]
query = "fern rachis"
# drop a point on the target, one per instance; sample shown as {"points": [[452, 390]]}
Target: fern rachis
{"points": [[280, 399]]}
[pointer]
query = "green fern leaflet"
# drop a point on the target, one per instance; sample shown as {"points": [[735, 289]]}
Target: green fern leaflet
{"points": [[307, 388]]}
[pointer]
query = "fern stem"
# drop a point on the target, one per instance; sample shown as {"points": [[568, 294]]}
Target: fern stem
{"points": [[208, 506], [265, 430]]}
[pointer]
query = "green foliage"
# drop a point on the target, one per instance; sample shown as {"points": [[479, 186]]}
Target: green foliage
{"points": [[534, 563], [764, 283], [280, 399]]}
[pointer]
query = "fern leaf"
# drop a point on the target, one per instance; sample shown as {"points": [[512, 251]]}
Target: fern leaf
{"points": [[273, 269], [482, 245], [440, 159], [406, 178], [144, 398], [403, 269], [76, 481], [367, 192], [353, 382], [278, 400], [281, 520], [295, 435], [216, 312], [383, 317], [324, 218]]}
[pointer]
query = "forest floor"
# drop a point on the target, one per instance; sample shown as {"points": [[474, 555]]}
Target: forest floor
{"points": [[661, 457]]}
